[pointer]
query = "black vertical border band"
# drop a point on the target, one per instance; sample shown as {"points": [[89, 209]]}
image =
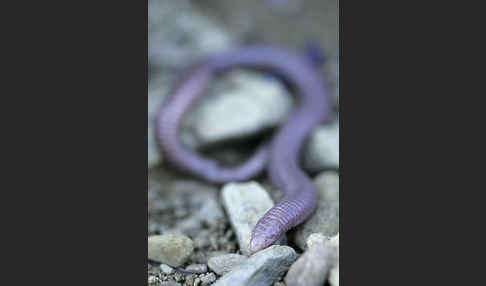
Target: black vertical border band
{"points": [[83, 148], [400, 183]]}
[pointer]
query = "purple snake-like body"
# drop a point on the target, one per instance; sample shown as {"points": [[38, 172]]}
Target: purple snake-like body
{"points": [[280, 156]]}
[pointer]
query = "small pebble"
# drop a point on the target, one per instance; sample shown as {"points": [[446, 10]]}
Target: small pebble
{"points": [[224, 263], [197, 268], [172, 249], [208, 279], [152, 279], [166, 269], [197, 282]]}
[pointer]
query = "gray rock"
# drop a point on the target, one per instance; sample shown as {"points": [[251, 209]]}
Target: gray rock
{"points": [[166, 269], [197, 268], [243, 104], [326, 218], [208, 279], [245, 204], [261, 269], [312, 268], [322, 149], [224, 263], [172, 248]]}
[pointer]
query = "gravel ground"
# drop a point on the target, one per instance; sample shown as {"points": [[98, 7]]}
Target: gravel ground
{"points": [[192, 236]]}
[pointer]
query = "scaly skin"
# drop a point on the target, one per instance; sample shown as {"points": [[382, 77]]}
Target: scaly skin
{"points": [[280, 156]]}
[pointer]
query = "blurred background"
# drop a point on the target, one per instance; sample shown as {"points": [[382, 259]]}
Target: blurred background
{"points": [[183, 30], [242, 107]]}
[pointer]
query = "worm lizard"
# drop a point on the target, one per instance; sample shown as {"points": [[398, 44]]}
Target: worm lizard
{"points": [[280, 156]]}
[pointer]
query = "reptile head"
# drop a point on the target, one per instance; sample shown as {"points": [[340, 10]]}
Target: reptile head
{"points": [[261, 239]]}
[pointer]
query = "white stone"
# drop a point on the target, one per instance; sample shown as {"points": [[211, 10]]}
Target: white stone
{"points": [[245, 204]]}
